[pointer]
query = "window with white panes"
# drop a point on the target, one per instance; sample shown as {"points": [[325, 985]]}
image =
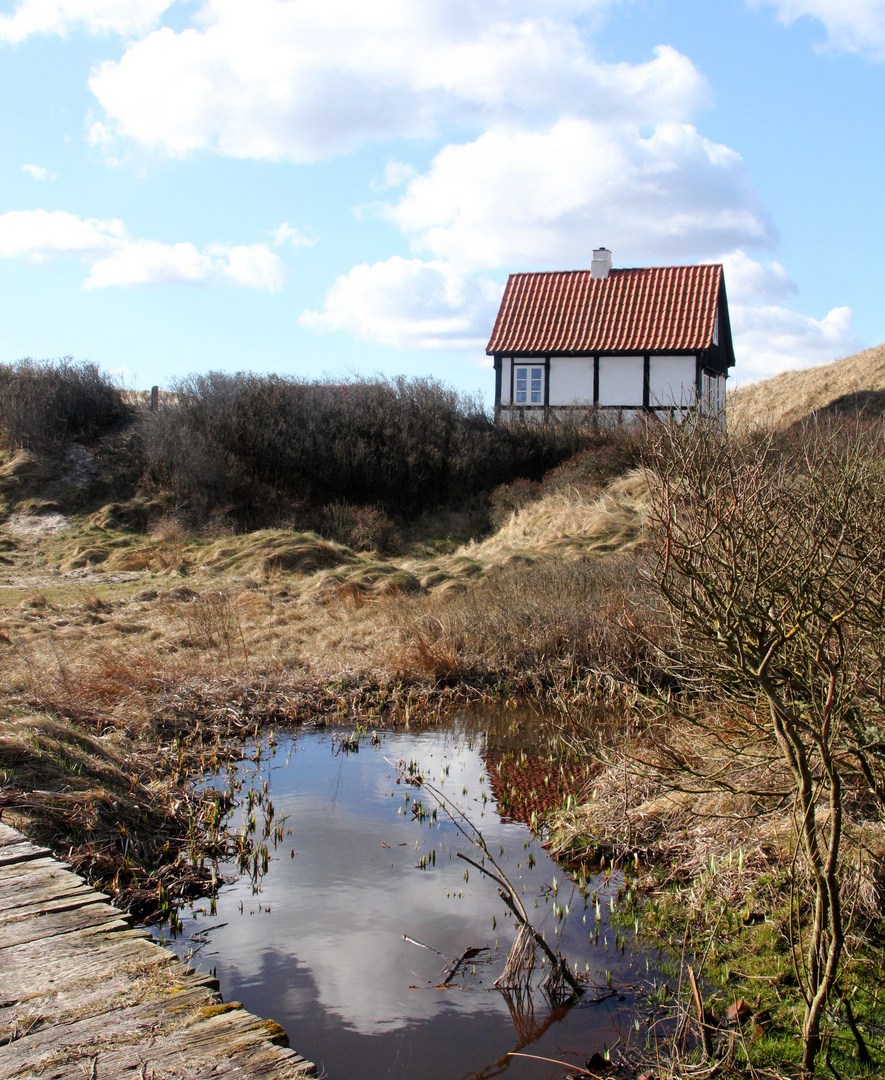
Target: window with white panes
{"points": [[528, 385]]}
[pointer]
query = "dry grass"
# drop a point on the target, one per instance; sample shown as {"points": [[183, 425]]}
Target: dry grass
{"points": [[538, 624], [850, 384], [75, 597], [572, 522], [714, 849], [112, 803], [124, 658]]}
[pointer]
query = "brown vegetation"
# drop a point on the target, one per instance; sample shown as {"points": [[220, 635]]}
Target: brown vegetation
{"points": [[726, 594], [159, 648], [769, 747], [854, 384]]}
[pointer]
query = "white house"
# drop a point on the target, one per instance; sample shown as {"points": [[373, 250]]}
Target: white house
{"points": [[645, 340]]}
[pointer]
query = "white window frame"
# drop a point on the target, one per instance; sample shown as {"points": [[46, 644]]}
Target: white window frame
{"points": [[532, 378]]}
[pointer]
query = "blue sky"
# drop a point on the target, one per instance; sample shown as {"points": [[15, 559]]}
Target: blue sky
{"points": [[324, 189]]}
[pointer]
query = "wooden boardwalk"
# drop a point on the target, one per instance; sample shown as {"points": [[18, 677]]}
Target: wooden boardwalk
{"points": [[85, 995]]}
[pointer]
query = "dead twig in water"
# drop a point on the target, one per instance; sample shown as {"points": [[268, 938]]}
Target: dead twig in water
{"points": [[515, 961], [454, 965], [706, 1037], [430, 948], [468, 954], [520, 960], [554, 1061]]}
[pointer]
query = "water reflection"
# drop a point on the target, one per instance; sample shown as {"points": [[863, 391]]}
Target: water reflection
{"points": [[365, 907]]}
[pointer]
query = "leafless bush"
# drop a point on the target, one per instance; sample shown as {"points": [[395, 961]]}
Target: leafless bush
{"points": [[771, 556], [514, 496], [362, 528], [46, 404], [213, 623], [261, 444]]}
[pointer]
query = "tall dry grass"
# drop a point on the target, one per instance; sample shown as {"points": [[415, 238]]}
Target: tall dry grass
{"points": [[539, 624], [852, 385]]}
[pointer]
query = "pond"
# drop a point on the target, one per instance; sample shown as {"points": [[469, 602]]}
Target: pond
{"points": [[350, 937]]}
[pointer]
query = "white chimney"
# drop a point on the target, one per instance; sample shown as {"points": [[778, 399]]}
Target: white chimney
{"points": [[602, 263]]}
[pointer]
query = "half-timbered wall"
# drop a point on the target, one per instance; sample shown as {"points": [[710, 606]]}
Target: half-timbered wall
{"points": [[536, 387], [571, 380], [621, 381], [672, 381], [506, 377]]}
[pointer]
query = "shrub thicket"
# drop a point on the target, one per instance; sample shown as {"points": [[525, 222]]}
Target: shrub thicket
{"points": [[258, 444], [46, 404]]}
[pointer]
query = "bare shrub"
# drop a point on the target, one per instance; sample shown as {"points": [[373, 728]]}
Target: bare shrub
{"points": [[608, 452], [213, 623], [511, 497], [362, 528], [771, 556], [265, 444], [46, 404]]}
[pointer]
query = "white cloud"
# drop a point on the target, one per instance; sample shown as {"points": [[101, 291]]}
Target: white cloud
{"points": [[299, 81], [408, 303], [38, 172], [288, 234], [115, 258], [748, 280], [769, 339], [851, 25], [396, 173], [251, 265], [128, 18], [526, 199], [40, 235]]}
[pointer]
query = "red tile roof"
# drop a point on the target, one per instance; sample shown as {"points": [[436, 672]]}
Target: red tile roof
{"points": [[659, 308]]}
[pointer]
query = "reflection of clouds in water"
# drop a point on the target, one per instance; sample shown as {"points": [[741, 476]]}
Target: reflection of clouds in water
{"points": [[339, 909], [332, 941]]}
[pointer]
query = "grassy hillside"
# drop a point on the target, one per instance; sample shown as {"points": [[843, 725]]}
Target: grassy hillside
{"points": [[856, 382], [146, 627]]}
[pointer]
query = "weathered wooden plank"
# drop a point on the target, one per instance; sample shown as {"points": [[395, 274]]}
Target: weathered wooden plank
{"points": [[91, 990], [11, 856], [22, 889], [35, 971], [175, 1037], [14, 847], [17, 932], [35, 870], [9, 836], [83, 993], [47, 905]]}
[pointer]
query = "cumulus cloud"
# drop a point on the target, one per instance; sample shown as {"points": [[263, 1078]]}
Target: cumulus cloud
{"points": [[770, 337], [851, 25], [408, 303], [298, 81], [116, 258], [38, 172], [128, 18], [41, 235], [749, 280], [530, 199]]}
